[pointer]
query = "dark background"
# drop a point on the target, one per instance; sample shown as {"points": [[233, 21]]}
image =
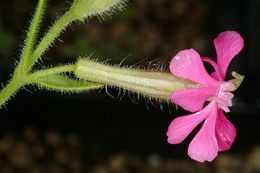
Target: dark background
{"points": [[147, 30]]}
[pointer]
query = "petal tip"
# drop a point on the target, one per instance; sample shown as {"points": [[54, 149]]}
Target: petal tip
{"points": [[228, 44]]}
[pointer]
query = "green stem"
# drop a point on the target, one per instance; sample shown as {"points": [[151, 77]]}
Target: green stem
{"points": [[32, 34], [9, 90], [50, 36]]}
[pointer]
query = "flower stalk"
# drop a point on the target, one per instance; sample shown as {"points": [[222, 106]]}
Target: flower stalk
{"points": [[12, 87]]}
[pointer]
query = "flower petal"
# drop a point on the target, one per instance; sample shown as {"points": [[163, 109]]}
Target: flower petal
{"points": [[225, 132], [192, 99], [204, 146], [217, 74], [228, 44], [214, 75], [188, 64], [181, 127]]}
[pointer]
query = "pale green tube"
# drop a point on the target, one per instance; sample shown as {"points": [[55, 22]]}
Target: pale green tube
{"points": [[148, 83]]}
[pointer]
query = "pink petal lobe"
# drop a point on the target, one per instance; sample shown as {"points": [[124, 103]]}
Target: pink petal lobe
{"points": [[228, 44], [181, 127], [217, 74], [204, 146], [192, 99], [188, 64], [225, 132]]}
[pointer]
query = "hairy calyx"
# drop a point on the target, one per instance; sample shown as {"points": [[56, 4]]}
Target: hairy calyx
{"points": [[146, 82]]}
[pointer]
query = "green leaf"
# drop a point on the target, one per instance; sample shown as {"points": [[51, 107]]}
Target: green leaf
{"points": [[64, 83], [32, 35]]}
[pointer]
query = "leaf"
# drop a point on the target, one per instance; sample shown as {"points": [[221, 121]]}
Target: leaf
{"points": [[32, 35], [64, 83]]}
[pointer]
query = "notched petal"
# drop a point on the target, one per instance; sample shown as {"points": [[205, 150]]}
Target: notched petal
{"points": [[181, 127], [225, 132], [188, 64], [192, 99], [204, 146], [228, 44]]}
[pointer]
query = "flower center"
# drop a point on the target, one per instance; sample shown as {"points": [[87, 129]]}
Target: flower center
{"points": [[224, 96]]}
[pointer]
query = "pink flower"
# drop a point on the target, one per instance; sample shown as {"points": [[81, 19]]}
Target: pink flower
{"points": [[217, 133]]}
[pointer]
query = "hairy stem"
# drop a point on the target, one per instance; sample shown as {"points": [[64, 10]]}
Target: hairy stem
{"points": [[9, 90], [50, 36]]}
